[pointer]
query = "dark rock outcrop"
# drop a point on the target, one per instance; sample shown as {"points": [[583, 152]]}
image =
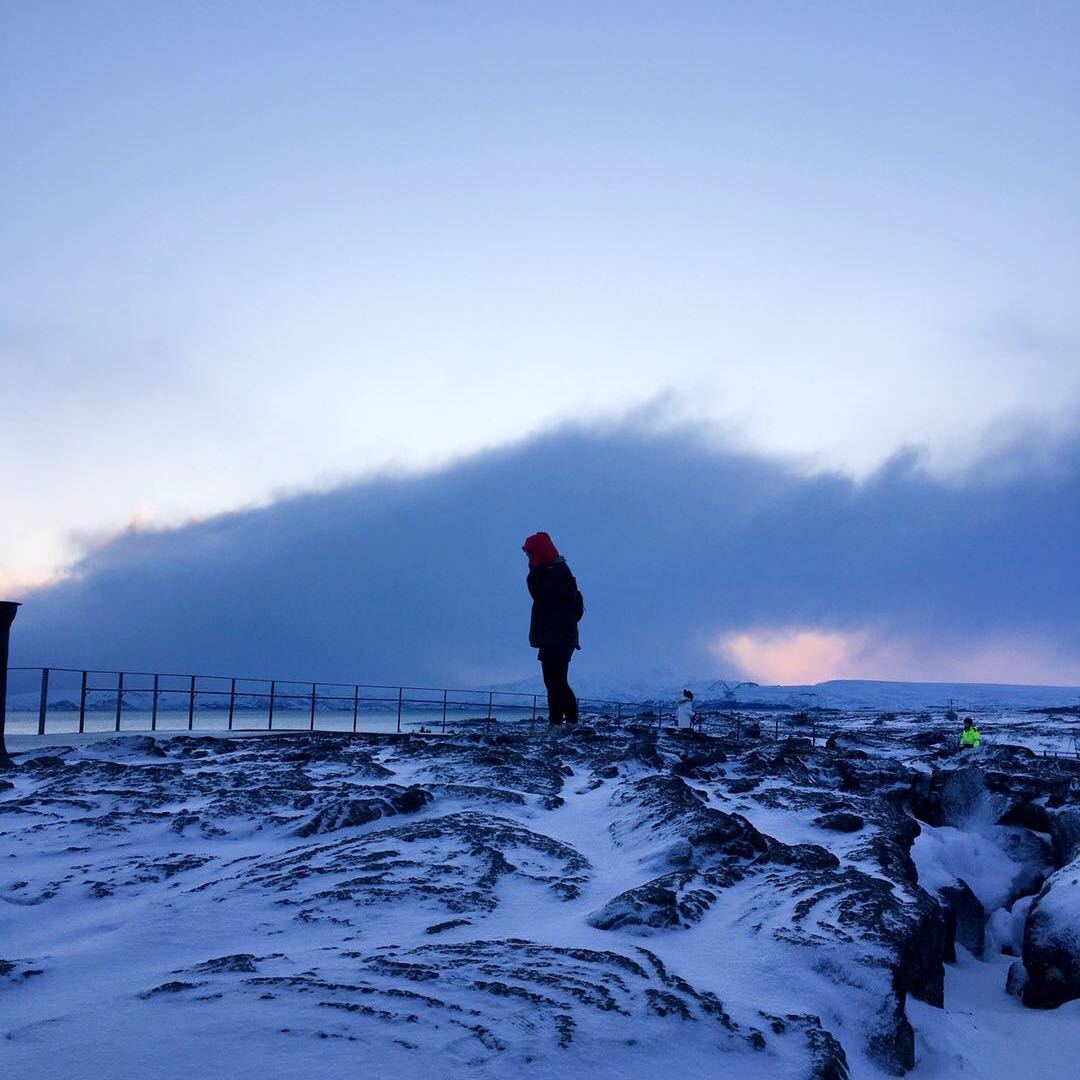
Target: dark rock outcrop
{"points": [[840, 821], [1052, 942], [965, 920], [799, 894], [450, 863], [350, 810], [1064, 829], [1016, 980]]}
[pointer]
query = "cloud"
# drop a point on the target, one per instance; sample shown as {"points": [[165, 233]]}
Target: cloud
{"points": [[795, 656], [802, 655], [692, 558]]}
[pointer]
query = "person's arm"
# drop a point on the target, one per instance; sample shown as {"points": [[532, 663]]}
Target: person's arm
{"points": [[564, 588], [541, 587]]}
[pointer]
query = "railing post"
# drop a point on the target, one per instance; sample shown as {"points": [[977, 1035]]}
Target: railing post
{"points": [[270, 718], [400, 697], [119, 697], [154, 704], [232, 701], [444, 693], [191, 706], [82, 704], [355, 706], [314, 696], [8, 610], [491, 702], [43, 702], [534, 708]]}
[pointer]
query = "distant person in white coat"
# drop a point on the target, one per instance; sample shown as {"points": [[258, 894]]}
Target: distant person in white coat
{"points": [[684, 713]]}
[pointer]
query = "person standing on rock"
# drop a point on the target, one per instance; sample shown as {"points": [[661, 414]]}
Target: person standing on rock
{"points": [[971, 738], [684, 712], [553, 629]]}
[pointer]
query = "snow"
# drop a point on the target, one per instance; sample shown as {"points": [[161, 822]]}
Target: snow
{"points": [[102, 958], [1061, 901], [944, 854], [986, 1034], [1005, 928]]}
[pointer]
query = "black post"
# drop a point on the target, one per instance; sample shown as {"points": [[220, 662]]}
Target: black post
{"points": [[270, 718], [82, 705], [444, 694], [153, 707], [355, 706], [191, 706], [119, 697], [8, 610], [43, 701], [232, 702], [314, 698], [400, 694]]}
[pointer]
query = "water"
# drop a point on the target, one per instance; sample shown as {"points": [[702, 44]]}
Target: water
{"points": [[372, 719]]}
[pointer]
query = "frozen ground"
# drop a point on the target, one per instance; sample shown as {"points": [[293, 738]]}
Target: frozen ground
{"points": [[607, 902], [985, 1034]]}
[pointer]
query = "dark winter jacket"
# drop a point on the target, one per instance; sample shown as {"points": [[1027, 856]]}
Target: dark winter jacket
{"points": [[557, 604]]}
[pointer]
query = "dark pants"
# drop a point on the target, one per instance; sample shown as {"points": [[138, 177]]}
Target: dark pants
{"points": [[562, 705]]}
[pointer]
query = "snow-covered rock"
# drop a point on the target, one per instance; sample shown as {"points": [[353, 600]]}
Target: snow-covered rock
{"points": [[607, 902], [1017, 979], [1052, 941], [1005, 928]]}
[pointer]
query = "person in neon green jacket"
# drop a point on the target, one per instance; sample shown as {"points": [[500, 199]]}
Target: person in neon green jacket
{"points": [[971, 737]]}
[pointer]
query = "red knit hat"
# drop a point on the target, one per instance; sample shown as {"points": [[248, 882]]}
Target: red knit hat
{"points": [[540, 549]]}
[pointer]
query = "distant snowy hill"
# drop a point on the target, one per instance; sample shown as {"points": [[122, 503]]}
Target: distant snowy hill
{"points": [[854, 693], [837, 693]]}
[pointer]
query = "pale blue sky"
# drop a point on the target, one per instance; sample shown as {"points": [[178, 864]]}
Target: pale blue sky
{"points": [[249, 247]]}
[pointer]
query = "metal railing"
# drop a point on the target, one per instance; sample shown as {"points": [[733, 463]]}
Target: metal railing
{"points": [[59, 700], [80, 700]]}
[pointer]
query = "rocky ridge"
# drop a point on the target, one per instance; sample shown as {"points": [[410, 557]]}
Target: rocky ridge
{"points": [[467, 901]]}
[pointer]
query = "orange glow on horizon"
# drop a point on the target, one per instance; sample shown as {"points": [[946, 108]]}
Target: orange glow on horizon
{"points": [[792, 657], [807, 655]]}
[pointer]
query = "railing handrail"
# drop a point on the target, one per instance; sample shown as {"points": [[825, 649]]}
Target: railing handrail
{"points": [[269, 692], [622, 710], [298, 682]]}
